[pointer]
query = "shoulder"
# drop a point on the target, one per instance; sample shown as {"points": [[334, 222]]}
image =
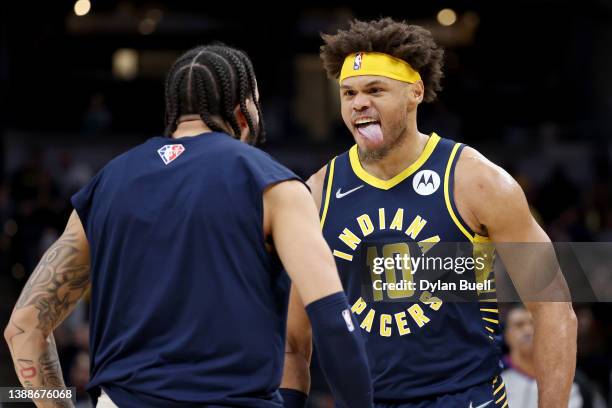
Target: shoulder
{"points": [[260, 162], [483, 189], [260, 168], [317, 180], [476, 173], [316, 183]]}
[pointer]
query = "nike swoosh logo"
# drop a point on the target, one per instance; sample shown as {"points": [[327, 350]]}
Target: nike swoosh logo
{"points": [[481, 405], [340, 194]]}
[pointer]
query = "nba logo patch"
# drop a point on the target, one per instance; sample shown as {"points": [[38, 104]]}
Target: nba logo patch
{"points": [[170, 152], [357, 62], [347, 319]]}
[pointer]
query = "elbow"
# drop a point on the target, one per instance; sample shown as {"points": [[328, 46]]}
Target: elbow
{"points": [[23, 326], [12, 329], [566, 317], [8, 334], [300, 346], [18, 335], [298, 351], [562, 313]]}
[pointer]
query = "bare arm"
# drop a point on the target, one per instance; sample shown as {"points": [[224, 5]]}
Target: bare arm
{"points": [[298, 349], [295, 228], [494, 203], [53, 290], [290, 218]]}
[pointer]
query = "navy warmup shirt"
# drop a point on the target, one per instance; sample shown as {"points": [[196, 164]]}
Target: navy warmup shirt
{"points": [[187, 306]]}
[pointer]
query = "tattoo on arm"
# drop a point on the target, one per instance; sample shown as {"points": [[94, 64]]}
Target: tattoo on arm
{"points": [[26, 368], [56, 285], [50, 370], [59, 280]]}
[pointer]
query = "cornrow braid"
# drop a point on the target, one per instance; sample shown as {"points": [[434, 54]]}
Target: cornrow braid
{"points": [[239, 58], [202, 97], [244, 86], [172, 114], [225, 70], [244, 67], [251, 74], [172, 84], [211, 81]]}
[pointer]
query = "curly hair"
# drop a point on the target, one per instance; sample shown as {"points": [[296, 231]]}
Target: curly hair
{"points": [[411, 43]]}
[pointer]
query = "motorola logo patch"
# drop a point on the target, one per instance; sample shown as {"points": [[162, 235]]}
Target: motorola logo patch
{"points": [[426, 182]]}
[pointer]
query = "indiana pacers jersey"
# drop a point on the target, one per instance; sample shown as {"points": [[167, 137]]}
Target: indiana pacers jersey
{"points": [[419, 344]]}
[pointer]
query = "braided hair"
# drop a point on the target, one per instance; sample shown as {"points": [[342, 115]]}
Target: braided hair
{"points": [[210, 81]]}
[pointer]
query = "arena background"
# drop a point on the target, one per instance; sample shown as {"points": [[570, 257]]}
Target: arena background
{"points": [[527, 83]]}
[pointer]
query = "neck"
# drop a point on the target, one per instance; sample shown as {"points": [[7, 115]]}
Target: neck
{"points": [[399, 157], [523, 363], [190, 125]]}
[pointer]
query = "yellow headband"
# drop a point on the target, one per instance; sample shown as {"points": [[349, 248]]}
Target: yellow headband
{"points": [[375, 63]]}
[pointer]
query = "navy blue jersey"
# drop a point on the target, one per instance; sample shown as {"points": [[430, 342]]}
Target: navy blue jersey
{"points": [[419, 345], [188, 308]]}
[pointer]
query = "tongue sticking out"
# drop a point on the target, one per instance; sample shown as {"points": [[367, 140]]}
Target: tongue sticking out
{"points": [[371, 132]]}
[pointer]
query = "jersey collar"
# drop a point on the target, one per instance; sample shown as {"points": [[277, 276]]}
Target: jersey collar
{"points": [[404, 174]]}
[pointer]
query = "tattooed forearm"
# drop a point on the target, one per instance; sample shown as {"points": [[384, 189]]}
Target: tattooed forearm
{"points": [[37, 364], [50, 370], [56, 285], [58, 282], [27, 371]]}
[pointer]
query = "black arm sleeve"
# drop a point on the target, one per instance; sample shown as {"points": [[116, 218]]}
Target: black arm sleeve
{"points": [[341, 351]]}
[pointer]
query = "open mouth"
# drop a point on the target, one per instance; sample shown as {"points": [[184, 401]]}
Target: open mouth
{"points": [[369, 129]]}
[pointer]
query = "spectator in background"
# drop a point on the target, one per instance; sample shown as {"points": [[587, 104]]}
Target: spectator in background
{"points": [[519, 377]]}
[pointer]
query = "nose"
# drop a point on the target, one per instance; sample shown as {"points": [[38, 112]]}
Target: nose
{"points": [[361, 102]]}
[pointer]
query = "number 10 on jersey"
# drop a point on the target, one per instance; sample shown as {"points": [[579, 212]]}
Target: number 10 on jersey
{"points": [[384, 271]]}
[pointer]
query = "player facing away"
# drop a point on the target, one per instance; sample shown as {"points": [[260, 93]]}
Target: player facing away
{"points": [[183, 240], [401, 192]]}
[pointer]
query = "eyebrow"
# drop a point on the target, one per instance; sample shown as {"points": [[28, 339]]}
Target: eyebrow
{"points": [[371, 83]]}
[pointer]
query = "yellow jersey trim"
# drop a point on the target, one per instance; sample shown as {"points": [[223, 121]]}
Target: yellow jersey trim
{"points": [[330, 179], [449, 207], [501, 398], [481, 239], [394, 181], [498, 388]]}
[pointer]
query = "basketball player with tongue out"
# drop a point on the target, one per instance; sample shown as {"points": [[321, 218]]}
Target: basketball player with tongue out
{"points": [[398, 191]]}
